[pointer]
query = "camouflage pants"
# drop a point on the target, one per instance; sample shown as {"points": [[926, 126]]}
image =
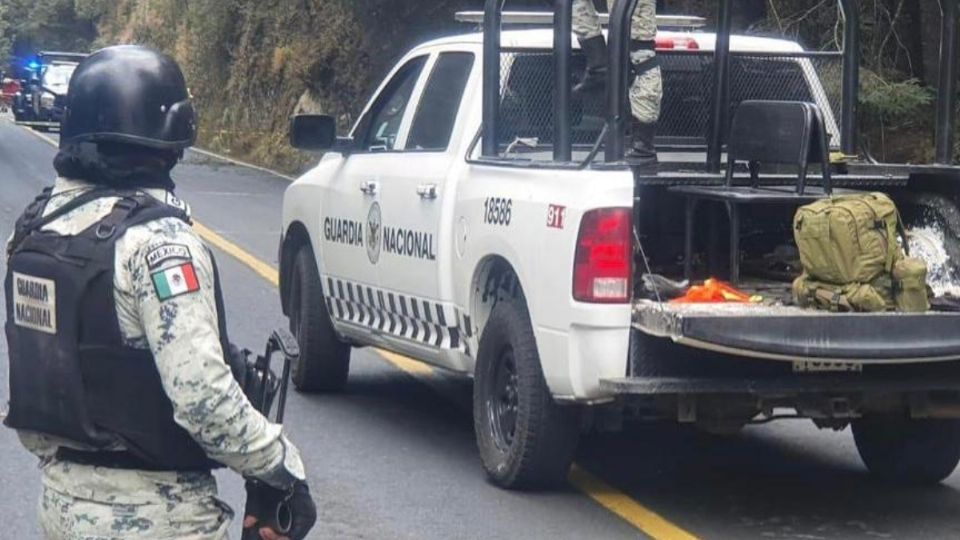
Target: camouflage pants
{"points": [[63, 517], [646, 91]]}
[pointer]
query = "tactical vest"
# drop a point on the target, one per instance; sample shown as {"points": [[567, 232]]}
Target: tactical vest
{"points": [[71, 375]]}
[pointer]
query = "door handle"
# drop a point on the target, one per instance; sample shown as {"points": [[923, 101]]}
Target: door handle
{"points": [[369, 187], [427, 191]]}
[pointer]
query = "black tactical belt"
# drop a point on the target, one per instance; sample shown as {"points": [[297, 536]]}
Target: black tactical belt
{"points": [[645, 66], [111, 460], [642, 45]]}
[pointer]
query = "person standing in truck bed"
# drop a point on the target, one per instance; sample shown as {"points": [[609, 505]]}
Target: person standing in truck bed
{"points": [[646, 91]]}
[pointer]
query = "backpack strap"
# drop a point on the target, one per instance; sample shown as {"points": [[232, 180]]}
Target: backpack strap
{"points": [[902, 231]]}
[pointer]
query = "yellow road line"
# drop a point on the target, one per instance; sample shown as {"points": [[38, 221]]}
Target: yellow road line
{"points": [[607, 496], [41, 136], [628, 509]]}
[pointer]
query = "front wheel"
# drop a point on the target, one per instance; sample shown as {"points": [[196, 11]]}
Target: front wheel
{"points": [[526, 440], [908, 451], [324, 361]]}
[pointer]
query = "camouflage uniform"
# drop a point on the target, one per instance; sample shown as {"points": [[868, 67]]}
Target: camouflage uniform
{"points": [[647, 89], [96, 503]]}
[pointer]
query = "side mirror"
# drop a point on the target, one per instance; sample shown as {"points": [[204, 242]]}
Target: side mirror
{"points": [[313, 132]]}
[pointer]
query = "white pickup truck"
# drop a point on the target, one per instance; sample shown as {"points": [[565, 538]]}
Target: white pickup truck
{"points": [[526, 276]]}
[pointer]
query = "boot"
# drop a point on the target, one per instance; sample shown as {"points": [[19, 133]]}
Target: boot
{"points": [[594, 78], [642, 155]]}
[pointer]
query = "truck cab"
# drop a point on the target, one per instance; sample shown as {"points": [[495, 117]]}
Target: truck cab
{"points": [[480, 219]]}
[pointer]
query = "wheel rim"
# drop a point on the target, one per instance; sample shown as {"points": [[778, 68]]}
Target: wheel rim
{"points": [[503, 401]]}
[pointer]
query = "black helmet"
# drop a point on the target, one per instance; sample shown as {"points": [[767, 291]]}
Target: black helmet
{"points": [[132, 95]]}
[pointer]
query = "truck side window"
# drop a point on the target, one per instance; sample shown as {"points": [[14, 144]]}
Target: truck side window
{"points": [[380, 128], [437, 112]]}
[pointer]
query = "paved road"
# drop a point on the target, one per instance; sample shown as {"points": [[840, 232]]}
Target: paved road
{"points": [[393, 456]]}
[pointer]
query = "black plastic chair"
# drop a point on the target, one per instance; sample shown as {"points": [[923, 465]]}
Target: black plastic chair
{"points": [[778, 133], [763, 133]]}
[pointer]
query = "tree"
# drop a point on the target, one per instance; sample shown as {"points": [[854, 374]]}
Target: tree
{"points": [[5, 42], [28, 26]]}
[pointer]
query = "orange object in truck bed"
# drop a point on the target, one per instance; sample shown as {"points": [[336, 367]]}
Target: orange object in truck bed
{"points": [[714, 291]]}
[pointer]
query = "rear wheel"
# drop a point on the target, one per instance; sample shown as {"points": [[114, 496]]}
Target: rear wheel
{"points": [[526, 440], [908, 451], [324, 360]]}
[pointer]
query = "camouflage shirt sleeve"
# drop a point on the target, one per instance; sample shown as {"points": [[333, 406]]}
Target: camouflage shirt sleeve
{"points": [[166, 283]]}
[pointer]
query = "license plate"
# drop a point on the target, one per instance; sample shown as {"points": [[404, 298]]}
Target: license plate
{"points": [[826, 367]]}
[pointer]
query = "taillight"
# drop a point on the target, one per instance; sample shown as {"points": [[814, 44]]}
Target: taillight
{"points": [[603, 266], [677, 43]]}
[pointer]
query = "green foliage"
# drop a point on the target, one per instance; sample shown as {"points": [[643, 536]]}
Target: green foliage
{"points": [[899, 102], [250, 63], [5, 42], [29, 26], [895, 119], [93, 9]]}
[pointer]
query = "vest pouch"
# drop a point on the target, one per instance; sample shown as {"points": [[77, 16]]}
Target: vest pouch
{"points": [[855, 297], [910, 291], [866, 299], [137, 410]]}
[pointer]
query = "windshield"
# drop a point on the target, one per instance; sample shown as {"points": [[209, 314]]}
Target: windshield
{"points": [[58, 75]]}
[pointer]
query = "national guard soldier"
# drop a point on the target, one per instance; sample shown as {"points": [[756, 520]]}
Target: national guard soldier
{"points": [[646, 91], [116, 331]]}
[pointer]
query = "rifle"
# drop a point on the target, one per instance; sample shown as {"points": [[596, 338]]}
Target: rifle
{"points": [[261, 386]]}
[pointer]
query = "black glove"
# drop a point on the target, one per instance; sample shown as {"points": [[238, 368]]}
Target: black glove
{"points": [[289, 513]]}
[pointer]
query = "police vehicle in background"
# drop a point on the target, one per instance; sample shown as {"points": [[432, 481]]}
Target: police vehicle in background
{"points": [[482, 221], [42, 98]]}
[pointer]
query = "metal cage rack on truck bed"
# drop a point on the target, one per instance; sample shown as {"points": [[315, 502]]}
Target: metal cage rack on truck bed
{"points": [[697, 128]]}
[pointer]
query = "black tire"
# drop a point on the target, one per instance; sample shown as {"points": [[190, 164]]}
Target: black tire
{"points": [[324, 360], [526, 440], [656, 357], [908, 451]]}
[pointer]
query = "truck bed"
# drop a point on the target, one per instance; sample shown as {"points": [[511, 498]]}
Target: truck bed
{"points": [[793, 334]]}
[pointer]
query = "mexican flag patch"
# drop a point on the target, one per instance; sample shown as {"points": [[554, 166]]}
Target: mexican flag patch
{"points": [[176, 281]]}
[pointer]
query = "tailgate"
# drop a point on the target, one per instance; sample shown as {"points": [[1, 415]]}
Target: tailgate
{"points": [[794, 334]]}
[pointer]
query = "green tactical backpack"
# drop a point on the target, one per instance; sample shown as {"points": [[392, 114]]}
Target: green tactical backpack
{"points": [[852, 260], [849, 238]]}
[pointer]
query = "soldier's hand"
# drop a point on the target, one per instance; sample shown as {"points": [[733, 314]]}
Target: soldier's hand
{"points": [[265, 533], [279, 515]]}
